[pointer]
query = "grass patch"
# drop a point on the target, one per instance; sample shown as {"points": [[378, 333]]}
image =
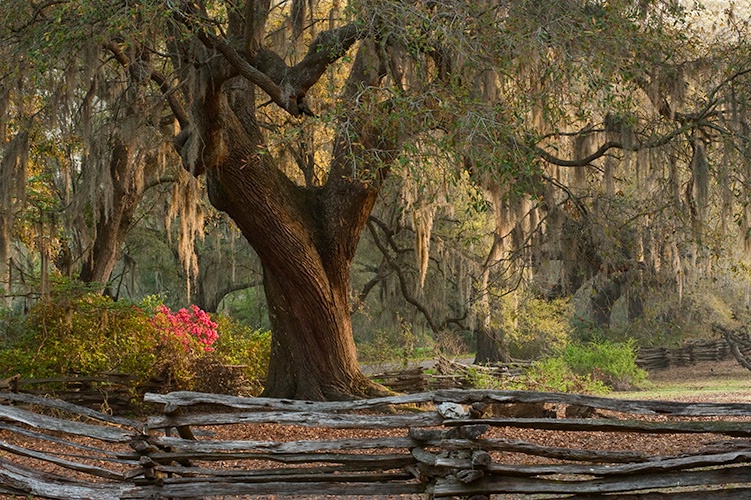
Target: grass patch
{"points": [[721, 380]]}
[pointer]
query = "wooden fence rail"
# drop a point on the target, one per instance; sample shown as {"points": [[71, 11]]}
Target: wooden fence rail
{"points": [[658, 358], [440, 443]]}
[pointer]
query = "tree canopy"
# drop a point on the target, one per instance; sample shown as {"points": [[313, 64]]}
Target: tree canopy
{"points": [[597, 133]]}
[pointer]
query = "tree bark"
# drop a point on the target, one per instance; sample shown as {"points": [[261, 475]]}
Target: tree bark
{"points": [[306, 257], [604, 296]]}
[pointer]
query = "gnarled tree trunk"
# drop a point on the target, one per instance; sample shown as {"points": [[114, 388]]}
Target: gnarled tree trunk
{"points": [[306, 255], [304, 236]]}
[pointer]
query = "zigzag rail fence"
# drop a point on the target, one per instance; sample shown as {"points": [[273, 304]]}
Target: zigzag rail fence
{"points": [[441, 443]]}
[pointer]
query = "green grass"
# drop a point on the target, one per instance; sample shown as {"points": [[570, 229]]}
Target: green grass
{"points": [[725, 380]]}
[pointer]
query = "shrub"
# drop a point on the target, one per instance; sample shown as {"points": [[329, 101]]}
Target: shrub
{"points": [[81, 333], [203, 355], [537, 327], [390, 346], [240, 345], [480, 379], [382, 350], [593, 368], [612, 363], [192, 327], [554, 374], [548, 374]]}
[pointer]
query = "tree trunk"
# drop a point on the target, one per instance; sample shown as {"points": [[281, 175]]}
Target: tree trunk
{"points": [[13, 161], [101, 261], [635, 304], [306, 255], [114, 222], [604, 296], [313, 351], [490, 347], [305, 236]]}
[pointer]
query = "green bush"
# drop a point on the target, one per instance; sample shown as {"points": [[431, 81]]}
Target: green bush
{"points": [[612, 363], [555, 375], [81, 333], [551, 374], [240, 345], [537, 327], [593, 368], [479, 379]]}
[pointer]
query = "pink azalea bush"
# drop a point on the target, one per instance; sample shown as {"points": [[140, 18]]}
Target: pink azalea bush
{"points": [[192, 327], [75, 331]]}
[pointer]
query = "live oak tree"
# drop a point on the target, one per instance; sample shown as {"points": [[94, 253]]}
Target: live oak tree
{"points": [[373, 82], [611, 221], [305, 235]]}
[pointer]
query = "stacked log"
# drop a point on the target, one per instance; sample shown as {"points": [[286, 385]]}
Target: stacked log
{"points": [[445, 374], [113, 392], [120, 393], [659, 358], [409, 381]]}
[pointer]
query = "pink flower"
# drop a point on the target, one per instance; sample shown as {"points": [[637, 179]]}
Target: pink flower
{"points": [[187, 326]]}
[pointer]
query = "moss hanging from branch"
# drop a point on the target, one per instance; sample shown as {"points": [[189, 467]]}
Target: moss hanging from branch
{"points": [[423, 221], [700, 173], [185, 207]]}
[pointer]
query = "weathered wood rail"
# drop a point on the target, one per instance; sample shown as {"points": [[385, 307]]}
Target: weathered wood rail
{"points": [[448, 374], [453, 375], [440, 443], [658, 358]]}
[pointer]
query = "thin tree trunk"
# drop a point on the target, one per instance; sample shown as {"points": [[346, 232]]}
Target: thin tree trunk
{"points": [[490, 347], [491, 343], [113, 223], [603, 298]]}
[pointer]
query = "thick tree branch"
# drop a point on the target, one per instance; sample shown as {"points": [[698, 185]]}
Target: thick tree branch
{"points": [[327, 48], [287, 86], [389, 234], [255, 13], [248, 71], [608, 145]]}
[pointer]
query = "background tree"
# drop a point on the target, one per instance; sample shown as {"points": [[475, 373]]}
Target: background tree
{"points": [[586, 224]]}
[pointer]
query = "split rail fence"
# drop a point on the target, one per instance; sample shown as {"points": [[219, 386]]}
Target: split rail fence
{"points": [[440, 443]]}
